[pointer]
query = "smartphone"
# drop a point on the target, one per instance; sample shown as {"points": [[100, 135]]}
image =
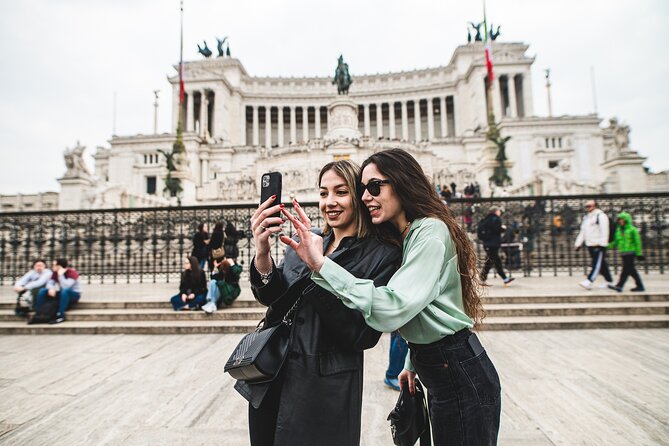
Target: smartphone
{"points": [[270, 184]]}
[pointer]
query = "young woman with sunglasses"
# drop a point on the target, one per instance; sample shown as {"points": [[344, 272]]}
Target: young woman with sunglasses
{"points": [[317, 397], [433, 298]]}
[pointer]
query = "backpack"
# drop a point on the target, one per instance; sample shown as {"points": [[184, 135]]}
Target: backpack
{"points": [[46, 313], [613, 225], [483, 230]]}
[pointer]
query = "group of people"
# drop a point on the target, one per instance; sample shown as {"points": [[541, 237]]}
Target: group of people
{"points": [[207, 247], [47, 292], [597, 235], [219, 251]]}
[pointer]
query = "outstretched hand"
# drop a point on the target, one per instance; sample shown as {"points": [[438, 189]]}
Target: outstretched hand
{"points": [[310, 246]]}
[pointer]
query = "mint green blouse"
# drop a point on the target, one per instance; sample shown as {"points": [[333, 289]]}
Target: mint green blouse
{"points": [[423, 299]]}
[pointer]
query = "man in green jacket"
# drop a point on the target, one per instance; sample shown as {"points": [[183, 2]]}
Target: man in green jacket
{"points": [[628, 242]]}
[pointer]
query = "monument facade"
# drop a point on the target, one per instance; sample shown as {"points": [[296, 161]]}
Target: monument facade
{"points": [[237, 126]]}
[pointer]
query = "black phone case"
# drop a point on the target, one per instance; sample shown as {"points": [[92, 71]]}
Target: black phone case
{"points": [[270, 184], [475, 345]]}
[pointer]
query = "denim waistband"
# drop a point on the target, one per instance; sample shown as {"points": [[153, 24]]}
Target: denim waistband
{"points": [[454, 339]]}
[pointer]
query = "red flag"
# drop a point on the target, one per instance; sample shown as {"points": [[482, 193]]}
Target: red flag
{"points": [[488, 48], [182, 87]]}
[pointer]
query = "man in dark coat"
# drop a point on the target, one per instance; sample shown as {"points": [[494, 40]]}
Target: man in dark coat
{"points": [[317, 397], [490, 232]]}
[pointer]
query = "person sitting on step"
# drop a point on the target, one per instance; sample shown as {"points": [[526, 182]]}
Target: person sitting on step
{"points": [[224, 284], [192, 288], [31, 282], [64, 284]]}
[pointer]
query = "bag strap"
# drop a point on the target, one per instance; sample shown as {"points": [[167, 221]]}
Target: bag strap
{"points": [[287, 319]]}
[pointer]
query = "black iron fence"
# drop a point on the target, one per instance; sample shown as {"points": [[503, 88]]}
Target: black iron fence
{"points": [[148, 245]]}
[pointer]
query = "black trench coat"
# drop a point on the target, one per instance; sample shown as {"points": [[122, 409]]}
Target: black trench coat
{"points": [[320, 398]]}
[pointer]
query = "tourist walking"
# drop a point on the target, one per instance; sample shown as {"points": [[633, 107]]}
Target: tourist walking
{"points": [[192, 287], [433, 298], [317, 397], [628, 242], [594, 233], [489, 232]]}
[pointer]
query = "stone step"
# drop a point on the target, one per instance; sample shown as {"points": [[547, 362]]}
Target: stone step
{"points": [[576, 322], [246, 302], [136, 304], [255, 314], [240, 326], [151, 314], [583, 297], [577, 309]]}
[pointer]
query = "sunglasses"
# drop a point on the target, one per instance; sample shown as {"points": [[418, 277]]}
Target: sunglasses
{"points": [[373, 187]]}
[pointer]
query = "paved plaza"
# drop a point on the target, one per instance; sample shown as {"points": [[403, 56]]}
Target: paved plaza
{"points": [[607, 387]]}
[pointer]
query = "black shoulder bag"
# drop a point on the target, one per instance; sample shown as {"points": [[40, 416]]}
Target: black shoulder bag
{"points": [[410, 420], [259, 355]]}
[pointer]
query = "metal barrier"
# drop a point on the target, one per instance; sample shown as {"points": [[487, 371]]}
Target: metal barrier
{"points": [[148, 245]]}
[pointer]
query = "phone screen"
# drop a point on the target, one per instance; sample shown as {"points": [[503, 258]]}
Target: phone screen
{"points": [[270, 184]]}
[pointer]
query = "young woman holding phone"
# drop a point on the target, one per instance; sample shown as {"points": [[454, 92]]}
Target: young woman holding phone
{"points": [[433, 298], [317, 397]]}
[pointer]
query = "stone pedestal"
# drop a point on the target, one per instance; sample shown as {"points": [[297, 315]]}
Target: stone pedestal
{"points": [[188, 186], [75, 193], [486, 168], [342, 120], [625, 173]]}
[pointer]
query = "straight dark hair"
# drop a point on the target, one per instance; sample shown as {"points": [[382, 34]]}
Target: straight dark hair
{"points": [[195, 271], [419, 199]]}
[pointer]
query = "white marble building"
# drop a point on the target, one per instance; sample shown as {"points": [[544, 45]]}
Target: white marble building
{"points": [[237, 126]]}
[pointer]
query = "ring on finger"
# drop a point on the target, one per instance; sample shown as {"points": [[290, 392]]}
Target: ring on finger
{"points": [[262, 228]]}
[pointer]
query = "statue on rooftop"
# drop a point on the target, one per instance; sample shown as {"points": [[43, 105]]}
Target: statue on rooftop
{"points": [[206, 52], [477, 27], [342, 77], [219, 46]]}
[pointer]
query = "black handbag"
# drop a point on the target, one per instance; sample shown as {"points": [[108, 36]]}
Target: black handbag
{"points": [[410, 420], [259, 355]]}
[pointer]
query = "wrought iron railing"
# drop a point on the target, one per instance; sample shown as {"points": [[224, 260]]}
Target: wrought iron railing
{"points": [[148, 245]]}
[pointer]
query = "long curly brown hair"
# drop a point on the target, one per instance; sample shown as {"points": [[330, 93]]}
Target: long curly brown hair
{"points": [[419, 199]]}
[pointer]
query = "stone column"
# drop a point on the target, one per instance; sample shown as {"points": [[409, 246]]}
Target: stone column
{"points": [[416, 119], [305, 123], [293, 125], [280, 126], [430, 120], [256, 139], [367, 131], [405, 121], [204, 118], [511, 83], [190, 103], [242, 126], [442, 117], [268, 127], [317, 121], [379, 120], [391, 120]]}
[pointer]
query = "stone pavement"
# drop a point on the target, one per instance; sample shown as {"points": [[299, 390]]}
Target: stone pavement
{"points": [[607, 387]]}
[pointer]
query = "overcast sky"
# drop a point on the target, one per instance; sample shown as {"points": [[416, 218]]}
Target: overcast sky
{"points": [[62, 61]]}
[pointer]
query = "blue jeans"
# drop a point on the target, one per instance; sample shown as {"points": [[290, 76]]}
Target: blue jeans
{"points": [[67, 299], [197, 301], [398, 353], [213, 293], [464, 393]]}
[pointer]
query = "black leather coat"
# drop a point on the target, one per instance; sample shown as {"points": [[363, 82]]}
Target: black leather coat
{"points": [[494, 223], [321, 394]]}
